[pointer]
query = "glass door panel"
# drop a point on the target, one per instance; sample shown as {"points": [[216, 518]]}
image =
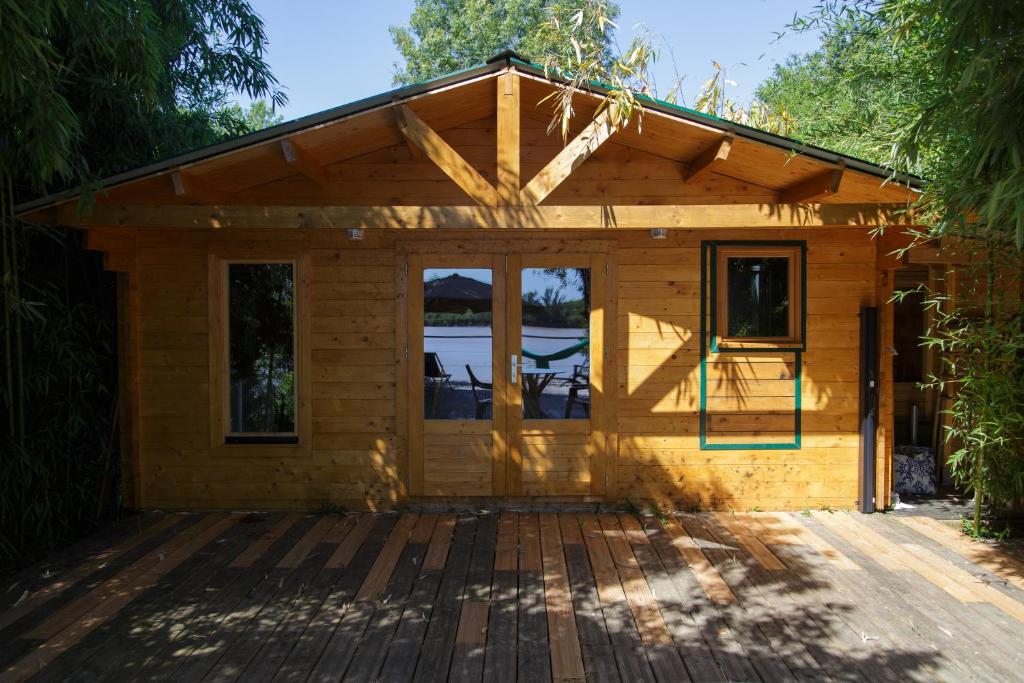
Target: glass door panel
{"points": [[458, 342], [456, 302], [555, 311]]}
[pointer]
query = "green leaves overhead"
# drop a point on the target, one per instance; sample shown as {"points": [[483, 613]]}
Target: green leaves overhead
{"points": [[447, 35]]}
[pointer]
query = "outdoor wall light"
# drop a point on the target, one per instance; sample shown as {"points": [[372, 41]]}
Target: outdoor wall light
{"points": [[659, 233], [354, 233]]}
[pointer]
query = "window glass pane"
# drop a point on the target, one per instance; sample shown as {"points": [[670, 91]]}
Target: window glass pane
{"points": [[556, 343], [457, 343], [758, 293], [261, 338]]}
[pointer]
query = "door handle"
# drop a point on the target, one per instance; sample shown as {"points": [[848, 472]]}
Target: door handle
{"points": [[515, 367]]}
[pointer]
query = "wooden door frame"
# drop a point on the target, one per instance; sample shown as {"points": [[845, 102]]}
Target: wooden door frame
{"points": [[602, 346], [508, 256], [410, 367]]}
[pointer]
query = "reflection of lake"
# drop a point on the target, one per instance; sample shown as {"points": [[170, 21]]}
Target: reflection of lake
{"points": [[457, 346]]}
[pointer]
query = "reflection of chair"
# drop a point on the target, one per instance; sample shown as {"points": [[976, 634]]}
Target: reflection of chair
{"points": [[435, 376], [482, 403], [579, 382]]}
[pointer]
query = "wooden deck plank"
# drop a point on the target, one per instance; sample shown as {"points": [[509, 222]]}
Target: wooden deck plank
{"points": [[400, 663], [696, 655], [660, 649], [534, 653], [93, 564], [123, 646], [345, 524], [381, 571], [622, 630], [792, 632], [595, 644], [315, 535], [210, 638], [603, 567], [185, 608], [439, 639], [909, 598], [346, 550], [256, 549], [253, 655], [982, 626], [708, 577], [300, 662], [341, 646], [136, 581], [890, 554], [980, 553], [754, 546], [440, 541], [762, 650], [529, 544], [471, 635], [566, 655], [424, 529], [506, 557], [380, 631], [500, 655], [707, 618], [978, 583], [71, 612], [779, 525]]}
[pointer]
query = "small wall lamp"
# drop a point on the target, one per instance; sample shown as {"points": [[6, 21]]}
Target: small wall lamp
{"points": [[354, 233], [659, 233]]}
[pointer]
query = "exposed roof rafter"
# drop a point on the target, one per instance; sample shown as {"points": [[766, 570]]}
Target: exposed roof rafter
{"points": [[711, 158], [301, 161], [815, 187], [445, 156], [187, 187], [569, 159]]}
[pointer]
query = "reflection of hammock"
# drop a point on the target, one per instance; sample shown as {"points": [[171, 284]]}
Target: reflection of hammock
{"points": [[543, 359]]}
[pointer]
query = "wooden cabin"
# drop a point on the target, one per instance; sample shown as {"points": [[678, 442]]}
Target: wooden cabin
{"points": [[426, 296]]}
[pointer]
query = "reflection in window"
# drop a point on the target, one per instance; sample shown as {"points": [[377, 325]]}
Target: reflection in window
{"points": [[457, 344], [758, 296], [261, 353], [556, 343]]}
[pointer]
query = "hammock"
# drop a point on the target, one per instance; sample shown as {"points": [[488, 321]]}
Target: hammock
{"points": [[543, 359]]}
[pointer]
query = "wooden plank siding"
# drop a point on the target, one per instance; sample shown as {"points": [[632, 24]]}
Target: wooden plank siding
{"points": [[356, 413]]}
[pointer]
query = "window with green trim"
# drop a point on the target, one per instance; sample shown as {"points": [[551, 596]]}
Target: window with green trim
{"points": [[758, 296]]}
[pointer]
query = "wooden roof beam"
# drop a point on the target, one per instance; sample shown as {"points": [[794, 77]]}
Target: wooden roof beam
{"points": [[445, 156], [509, 181], [814, 188], [569, 159], [711, 158], [187, 187], [709, 216], [299, 159]]}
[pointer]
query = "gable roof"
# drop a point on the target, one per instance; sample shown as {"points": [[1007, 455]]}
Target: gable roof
{"points": [[460, 79]]}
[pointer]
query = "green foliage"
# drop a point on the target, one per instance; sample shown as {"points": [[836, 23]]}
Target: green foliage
{"points": [[982, 354], [936, 87], [984, 530], [851, 93], [257, 116], [56, 482], [448, 35], [87, 90]]}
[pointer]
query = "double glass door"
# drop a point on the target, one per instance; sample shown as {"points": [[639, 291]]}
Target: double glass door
{"points": [[507, 373]]}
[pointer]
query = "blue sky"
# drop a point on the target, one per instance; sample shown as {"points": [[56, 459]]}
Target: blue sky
{"points": [[328, 52]]}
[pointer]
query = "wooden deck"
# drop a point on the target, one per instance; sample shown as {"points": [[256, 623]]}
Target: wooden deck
{"points": [[518, 596]]}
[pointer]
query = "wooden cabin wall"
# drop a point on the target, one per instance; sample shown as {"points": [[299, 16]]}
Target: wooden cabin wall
{"points": [[354, 459]]}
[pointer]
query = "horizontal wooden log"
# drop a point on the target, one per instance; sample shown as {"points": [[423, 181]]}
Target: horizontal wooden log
{"points": [[695, 216]]}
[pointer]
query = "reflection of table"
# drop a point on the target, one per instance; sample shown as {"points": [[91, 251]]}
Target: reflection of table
{"points": [[535, 380]]}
